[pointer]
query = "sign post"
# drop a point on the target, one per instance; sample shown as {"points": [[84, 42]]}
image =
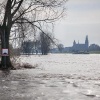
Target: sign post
{"points": [[4, 52], [4, 55]]}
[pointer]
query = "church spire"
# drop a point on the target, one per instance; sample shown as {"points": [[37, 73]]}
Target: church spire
{"points": [[74, 43], [87, 41]]}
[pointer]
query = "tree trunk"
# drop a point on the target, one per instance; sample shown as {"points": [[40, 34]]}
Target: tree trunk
{"points": [[5, 58]]}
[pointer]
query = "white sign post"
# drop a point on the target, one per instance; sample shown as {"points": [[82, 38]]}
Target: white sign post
{"points": [[4, 52]]}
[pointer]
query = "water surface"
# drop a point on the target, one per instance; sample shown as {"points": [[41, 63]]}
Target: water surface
{"points": [[57, 77]]}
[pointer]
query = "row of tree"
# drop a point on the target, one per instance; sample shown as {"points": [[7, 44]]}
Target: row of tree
{"points": [[42, 44]]}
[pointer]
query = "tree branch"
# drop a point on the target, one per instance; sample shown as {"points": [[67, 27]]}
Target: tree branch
{"points": [[21, 1]]}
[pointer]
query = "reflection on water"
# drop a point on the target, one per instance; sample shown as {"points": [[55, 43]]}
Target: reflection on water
{"points": [[57, 77]]}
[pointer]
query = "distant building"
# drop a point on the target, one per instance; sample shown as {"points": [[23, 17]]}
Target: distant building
{"points": [[67, 50], [77, 47], [80, 47], [54, 50]]}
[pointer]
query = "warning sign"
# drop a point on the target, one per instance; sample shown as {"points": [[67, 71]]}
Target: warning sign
{"points": [[4, 52]]}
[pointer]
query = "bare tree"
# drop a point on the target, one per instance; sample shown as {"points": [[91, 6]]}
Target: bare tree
{"points": [[46, 41], [18, 18], [60, 47], [27, 47]]}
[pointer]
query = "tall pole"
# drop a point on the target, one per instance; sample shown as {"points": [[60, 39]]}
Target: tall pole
{"points": [[4, 48]]}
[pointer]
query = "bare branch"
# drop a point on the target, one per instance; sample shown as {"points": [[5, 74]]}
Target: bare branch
{"points": [[21, 1]]}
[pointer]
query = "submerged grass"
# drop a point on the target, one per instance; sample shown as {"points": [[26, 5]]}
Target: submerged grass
{"points": [[24, 66]]}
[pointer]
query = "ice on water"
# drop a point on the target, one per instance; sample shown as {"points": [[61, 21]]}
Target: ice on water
{"points": [[56, 77]]}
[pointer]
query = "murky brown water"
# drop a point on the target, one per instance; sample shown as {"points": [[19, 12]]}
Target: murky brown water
{"points": [[57, 77]]}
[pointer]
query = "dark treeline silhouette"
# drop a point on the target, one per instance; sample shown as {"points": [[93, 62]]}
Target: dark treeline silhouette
{"points": [[42, 44]]}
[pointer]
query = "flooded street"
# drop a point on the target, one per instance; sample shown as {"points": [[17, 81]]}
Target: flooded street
{"points": [[56, 77]]}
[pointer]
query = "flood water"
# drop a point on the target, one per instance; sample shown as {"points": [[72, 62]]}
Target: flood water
{"points": [[56, 77]]}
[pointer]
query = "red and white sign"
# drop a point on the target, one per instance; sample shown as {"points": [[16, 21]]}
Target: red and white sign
{"points": [[4, 52]]}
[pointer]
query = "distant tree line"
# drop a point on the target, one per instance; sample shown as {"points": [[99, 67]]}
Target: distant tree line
{"points": [[94, 47]]}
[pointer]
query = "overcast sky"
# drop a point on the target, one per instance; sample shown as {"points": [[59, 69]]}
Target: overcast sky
{"points": [[83, 18]]}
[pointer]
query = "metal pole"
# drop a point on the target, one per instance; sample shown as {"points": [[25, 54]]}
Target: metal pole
{"points": [[4, 48]]}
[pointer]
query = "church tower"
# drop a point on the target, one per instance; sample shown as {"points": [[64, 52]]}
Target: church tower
{"points": [[87, 42], [74, 43]]}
